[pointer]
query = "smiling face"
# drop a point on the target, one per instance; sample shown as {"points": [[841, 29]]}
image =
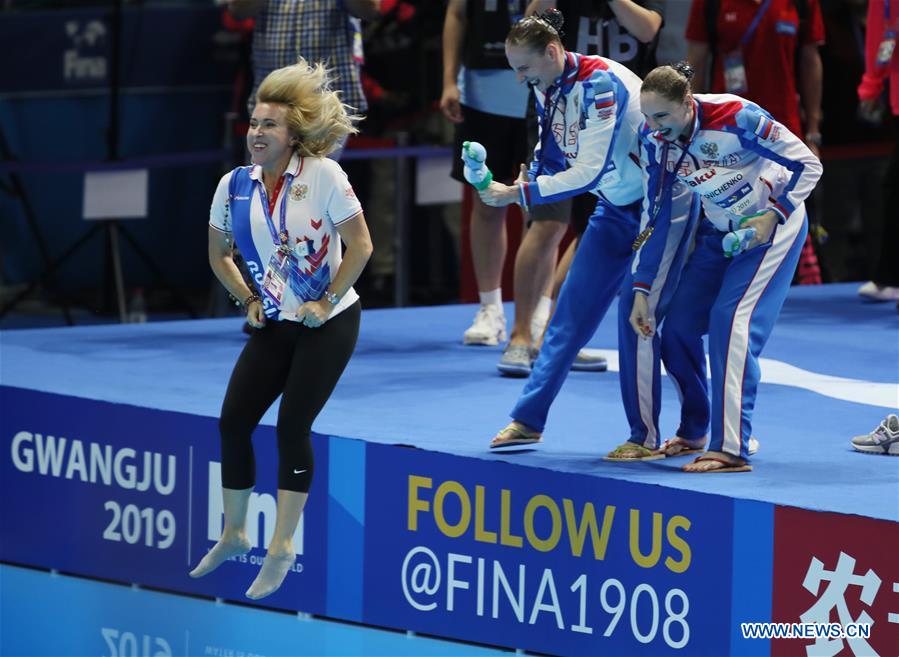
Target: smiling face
{"points": [[668, 118], [536, 67], [268, 137]]}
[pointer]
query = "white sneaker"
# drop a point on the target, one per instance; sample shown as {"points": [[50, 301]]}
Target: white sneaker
{"points": [[874, 292], [538, 325], [883, 440], [488, 327], [589, 360]]}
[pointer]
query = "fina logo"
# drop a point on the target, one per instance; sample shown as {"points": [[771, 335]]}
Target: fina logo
{"points": [[262, 507], [89, 36]]}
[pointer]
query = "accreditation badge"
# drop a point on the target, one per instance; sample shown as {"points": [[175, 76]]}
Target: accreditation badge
{"points": [[276, 274], [735, 73]]}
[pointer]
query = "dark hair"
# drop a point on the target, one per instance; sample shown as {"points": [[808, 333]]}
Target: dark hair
{"points": [[537, 31], [671, 82]]}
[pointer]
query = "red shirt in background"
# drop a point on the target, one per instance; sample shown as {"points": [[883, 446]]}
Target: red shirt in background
{"points": [[872, 81], [770, 55]]}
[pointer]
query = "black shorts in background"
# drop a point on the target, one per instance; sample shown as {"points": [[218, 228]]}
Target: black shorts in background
{"points": [[504, 137]]}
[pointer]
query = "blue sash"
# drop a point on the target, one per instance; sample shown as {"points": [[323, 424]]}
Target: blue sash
{"points": [[240, 198]]}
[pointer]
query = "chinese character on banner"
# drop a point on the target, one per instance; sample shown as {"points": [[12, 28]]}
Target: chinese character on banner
{"points": [[832, 568], [834, 597]]}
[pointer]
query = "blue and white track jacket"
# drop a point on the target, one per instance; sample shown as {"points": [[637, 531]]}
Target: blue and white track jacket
{"points": [[739, 161], [589, 121]]}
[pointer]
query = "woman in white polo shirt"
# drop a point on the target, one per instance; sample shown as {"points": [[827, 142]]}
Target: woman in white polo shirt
{"points": [[287, 214]]}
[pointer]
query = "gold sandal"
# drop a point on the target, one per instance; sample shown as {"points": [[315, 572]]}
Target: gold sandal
{"points": [[512, 436], [630, 452]]}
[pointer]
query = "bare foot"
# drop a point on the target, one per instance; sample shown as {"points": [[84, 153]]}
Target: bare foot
{"points": [[274, 569], [632, 452], [219, 554], [677, 446], [717, 462]]}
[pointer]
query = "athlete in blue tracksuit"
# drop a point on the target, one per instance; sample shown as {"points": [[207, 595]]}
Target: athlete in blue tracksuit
{"points": [[588, 108], [749, 171]]}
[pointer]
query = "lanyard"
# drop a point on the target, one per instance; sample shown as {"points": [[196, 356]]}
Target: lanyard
{"points": [[546, 128], [549, 112], [663, 190], [279, 237], [665, 185], [755, 22]]}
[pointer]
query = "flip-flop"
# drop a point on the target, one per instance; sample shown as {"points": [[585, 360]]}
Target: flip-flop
{"points": [[684, 447], [727, 466], [637, 453], [518, 438]]}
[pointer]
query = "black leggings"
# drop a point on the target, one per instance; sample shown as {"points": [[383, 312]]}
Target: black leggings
{"points": [[302, 363]]}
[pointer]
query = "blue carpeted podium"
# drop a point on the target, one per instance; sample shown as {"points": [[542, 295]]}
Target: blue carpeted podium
{"points": [[110, 470]]}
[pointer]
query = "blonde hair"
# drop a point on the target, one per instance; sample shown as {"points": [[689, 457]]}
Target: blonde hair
{"points": [[315, 114]]}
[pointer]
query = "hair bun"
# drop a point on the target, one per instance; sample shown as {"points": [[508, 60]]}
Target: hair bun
{"points": [[684, 69], [553, 17]]}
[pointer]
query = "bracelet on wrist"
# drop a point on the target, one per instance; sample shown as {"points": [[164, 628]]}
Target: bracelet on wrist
{"points": [[250, 299], [332, 298]]}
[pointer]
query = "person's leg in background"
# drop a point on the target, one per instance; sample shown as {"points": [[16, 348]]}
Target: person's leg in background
{"points": [[885, 285], [587, 360], [380, 213], [534, 264], [488, 254], [504, 139]]}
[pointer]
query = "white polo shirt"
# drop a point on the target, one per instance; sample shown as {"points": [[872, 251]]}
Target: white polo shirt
{"points": [[320, 198]]}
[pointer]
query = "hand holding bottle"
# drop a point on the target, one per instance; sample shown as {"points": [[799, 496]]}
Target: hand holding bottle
{"points": [[474, 155]]}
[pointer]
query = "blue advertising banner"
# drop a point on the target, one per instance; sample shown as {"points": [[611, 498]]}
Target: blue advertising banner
{"points": [[465, 548], [160, 47], [134, 494], [544, 561]]}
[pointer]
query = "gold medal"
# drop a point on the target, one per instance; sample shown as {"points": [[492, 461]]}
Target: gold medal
{"points": [[641, 238]]}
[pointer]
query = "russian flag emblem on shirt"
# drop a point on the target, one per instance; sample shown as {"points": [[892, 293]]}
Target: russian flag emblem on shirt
{"points": [[763, 129], [605, 100]]}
